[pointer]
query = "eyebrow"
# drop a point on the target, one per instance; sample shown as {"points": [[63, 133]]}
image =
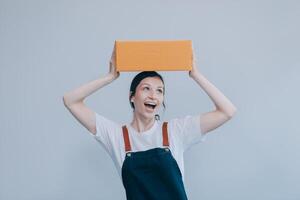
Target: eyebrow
{"points": [[149, 85]]}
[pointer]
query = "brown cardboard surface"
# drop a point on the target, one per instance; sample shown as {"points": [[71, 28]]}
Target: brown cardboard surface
{"points": [[154, 55]]}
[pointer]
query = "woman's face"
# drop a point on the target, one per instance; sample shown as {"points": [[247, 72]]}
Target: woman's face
{"points": [[149, 96]]}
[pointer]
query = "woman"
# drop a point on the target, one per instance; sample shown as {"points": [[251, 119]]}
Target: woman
{"points": [[148, 153]]}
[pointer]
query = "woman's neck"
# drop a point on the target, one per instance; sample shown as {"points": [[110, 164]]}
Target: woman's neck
{"points": [[141, 124]]}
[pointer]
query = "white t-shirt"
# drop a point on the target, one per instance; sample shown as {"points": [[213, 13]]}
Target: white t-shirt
{"points": [[182, 132]]}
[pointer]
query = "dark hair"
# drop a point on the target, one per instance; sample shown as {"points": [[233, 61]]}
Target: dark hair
{"points": [[136, 81]]}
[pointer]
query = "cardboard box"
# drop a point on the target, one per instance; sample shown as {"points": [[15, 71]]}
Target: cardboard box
{"points": [[172, 55]]}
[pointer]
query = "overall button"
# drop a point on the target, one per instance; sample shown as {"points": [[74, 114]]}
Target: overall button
{"points": [[128, 154], [167, 149]]}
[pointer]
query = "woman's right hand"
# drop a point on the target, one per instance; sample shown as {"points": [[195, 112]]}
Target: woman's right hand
{"points": [[112, 65]]}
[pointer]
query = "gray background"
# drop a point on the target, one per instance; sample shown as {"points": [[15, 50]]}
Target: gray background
{"points": [[247, 49]]}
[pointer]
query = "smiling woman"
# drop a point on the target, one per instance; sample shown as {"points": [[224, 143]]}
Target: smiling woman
{"points": [[146, 94], [148, 153]]}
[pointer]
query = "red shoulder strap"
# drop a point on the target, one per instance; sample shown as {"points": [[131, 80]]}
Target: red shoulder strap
{"points": [[165, 134], [126, 139]]}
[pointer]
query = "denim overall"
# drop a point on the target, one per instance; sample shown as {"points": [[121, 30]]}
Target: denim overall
{"points": [[152, 174]]}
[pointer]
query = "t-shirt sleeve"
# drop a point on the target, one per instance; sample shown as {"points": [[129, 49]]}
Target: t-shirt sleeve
{"points": [[105, 132], [188, 130]]}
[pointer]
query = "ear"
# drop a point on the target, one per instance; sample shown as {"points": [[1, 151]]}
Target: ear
{"points": [[132, 99]]}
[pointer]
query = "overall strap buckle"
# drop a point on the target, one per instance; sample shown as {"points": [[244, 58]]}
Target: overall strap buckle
{"points": [[166, 148], [128, 153]]}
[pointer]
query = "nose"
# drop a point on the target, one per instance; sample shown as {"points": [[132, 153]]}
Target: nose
{"points": [[152, 94]]}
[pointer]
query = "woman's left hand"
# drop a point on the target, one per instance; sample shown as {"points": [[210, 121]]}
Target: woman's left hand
{"points": [[194, 72]]}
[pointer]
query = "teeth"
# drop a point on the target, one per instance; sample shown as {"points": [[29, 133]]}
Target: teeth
{"points": [[150, 103]]}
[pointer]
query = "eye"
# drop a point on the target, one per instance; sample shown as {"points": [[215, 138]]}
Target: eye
{"points": [[160, 90], [146, 88]]}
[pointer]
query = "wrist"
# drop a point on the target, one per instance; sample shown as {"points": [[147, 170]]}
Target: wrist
{"points": [[193, 74], [110, 77]]}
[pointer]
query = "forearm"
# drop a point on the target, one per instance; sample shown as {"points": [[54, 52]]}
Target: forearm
{"points": [[221, 102], [79, 94]]}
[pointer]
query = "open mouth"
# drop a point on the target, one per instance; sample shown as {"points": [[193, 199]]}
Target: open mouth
{"points": [[150, 105]]}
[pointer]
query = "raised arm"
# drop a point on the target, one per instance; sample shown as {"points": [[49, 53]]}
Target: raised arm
{"points": [[224, 108], [74, 99]]}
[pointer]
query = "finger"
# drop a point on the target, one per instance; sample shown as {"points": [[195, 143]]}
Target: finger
{"points": [[114, 47], [113, 51], [112, 56]]}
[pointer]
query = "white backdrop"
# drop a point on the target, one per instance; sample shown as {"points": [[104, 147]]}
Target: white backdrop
{"points": [[247, 49]]}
